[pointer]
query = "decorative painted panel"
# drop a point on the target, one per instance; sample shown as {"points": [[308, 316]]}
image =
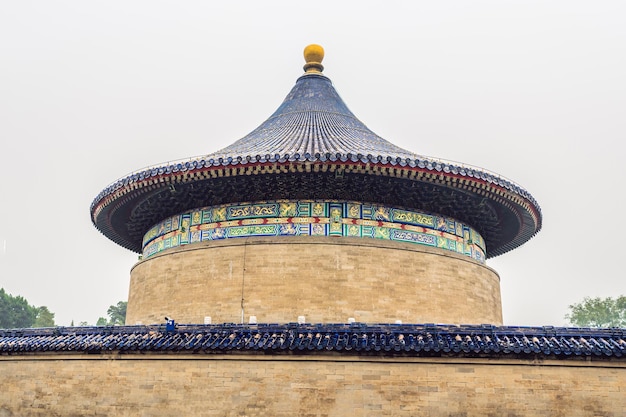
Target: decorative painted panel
{"points": [[314, 218]]}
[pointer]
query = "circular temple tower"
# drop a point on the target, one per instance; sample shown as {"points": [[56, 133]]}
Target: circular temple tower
{"points": [[313, 217]]}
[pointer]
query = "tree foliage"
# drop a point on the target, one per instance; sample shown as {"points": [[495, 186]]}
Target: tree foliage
{"points": [[598, 312], [116, 313], [44, 318], [15, 312]]}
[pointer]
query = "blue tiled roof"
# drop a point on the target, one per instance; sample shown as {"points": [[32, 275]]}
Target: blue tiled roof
{"points": [[312, 121], [314, 124], [296, 151], [416, 340]]}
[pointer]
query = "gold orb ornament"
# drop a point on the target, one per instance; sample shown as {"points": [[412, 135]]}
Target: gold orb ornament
{"points": [[313, 55]]}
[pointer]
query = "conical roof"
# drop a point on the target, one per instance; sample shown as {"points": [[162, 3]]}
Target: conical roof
{"points": [[297, 153], [312, 123]]}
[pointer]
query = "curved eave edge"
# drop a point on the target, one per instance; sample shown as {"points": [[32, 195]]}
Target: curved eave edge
{"points": [[107, 230], [422, 163], [524, 235], [509, 194]]}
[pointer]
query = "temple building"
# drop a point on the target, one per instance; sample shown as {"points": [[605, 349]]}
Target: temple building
{"points": [[314, 268], [312, 214]]}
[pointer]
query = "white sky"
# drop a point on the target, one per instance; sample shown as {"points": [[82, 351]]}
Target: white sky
{"points": [[532, 90]]}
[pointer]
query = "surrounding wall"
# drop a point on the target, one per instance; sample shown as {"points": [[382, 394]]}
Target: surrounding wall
{"points": [[329, 385], [325, 279]]}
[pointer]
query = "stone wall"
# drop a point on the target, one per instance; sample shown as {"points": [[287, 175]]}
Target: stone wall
{"points": [[324, 279], [321, 385]]}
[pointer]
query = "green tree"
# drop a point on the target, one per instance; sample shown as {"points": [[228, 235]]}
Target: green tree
{"points": [[44, 318], [15, 311], [117, 313], [598, 312]]}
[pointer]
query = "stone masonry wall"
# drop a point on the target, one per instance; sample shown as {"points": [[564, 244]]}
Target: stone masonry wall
{"points": [[281, 386], [324, 279]]}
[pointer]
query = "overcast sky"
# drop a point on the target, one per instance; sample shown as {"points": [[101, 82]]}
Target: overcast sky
{"points": [[532, 90]]}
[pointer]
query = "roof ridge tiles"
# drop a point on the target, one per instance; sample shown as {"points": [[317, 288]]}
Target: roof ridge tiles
{"points": [[411, 339]]}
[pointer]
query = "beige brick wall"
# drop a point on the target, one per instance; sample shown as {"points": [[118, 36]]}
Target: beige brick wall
{"points": [[243, 385], [324, 279]]}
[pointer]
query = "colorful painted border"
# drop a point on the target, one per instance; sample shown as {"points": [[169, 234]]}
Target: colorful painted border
{"points": [[314, 218]]}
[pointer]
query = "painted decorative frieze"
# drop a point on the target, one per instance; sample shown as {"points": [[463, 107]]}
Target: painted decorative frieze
{"points": [[314, 218]]}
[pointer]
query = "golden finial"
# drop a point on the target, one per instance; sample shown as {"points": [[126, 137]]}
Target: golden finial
{"points": [[313, 55]]}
